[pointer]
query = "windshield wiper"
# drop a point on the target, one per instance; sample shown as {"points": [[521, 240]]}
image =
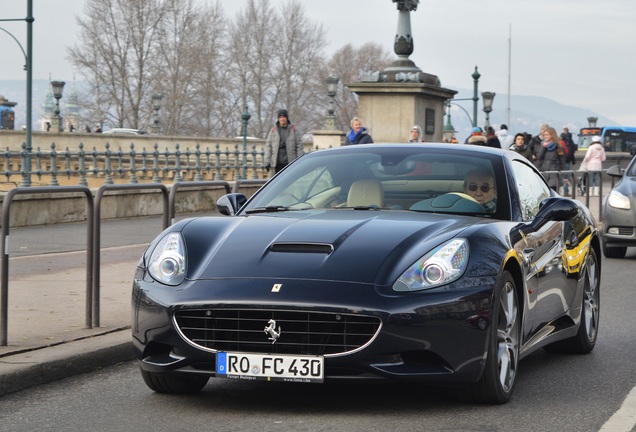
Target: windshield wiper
{"points": [[268, 209]]}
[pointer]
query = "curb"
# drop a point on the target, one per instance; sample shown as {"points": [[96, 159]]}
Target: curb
{"points": [[41, 366]]}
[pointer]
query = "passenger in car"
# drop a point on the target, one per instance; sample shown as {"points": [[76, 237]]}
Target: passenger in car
{"points": [[480, 185]]}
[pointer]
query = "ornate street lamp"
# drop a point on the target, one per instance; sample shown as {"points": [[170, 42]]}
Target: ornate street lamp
{"points": [[245, 118], [58, 88], [591, 121], [156, 106], [332, 86], [488, 98], [449, 130]]}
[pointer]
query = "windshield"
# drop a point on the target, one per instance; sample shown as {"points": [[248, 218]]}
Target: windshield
{"points": [[391, 179]]}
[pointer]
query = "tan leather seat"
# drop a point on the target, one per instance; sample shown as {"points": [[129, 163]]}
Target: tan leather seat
{"points": [[365, 193]]}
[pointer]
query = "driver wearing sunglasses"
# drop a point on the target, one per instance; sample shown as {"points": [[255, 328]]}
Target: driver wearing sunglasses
{"points": [[480, 184]]}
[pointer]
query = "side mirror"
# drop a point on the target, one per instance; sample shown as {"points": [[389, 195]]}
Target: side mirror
{"points": [[554, 210], [230, 204]]}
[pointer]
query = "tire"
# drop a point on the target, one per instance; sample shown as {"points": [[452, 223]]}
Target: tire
{"points": [[585, 338], [174, 383], [499, 377]]}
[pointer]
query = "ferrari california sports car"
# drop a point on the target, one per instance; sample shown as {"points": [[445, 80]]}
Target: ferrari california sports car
{"points": [[432, 263], [618, 212]]}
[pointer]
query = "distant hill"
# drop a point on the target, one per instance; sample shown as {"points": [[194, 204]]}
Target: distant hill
{"points": [[527, 113]]}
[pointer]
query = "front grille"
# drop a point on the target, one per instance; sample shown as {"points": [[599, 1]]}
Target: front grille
{"points": [[301, 332]]}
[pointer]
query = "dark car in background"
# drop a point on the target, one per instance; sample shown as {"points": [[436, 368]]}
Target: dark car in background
{"points": [[372, 262], [618, 212]]}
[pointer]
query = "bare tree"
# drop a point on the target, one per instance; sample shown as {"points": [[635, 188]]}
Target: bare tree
{"points": [[117, 41], [299, 54], [275, 57], [252, 41], [209, 69]]}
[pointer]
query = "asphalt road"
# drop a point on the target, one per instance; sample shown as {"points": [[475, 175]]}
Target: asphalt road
{"points": [[554, 393]]}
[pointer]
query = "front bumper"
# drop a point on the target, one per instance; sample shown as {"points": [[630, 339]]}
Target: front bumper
{"points": [[426, 336], [619, 227]]}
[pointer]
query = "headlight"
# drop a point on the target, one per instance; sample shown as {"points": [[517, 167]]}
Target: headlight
{"points": [[442, 265], [167, 263], [618, 200]]}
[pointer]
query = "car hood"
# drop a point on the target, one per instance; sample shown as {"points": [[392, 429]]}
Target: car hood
{"points": [[338, 245]]}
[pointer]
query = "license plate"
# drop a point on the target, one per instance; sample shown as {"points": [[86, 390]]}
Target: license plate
{"points": [[270, 367]]}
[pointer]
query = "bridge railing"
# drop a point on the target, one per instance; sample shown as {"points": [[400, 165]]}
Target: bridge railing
{"points": [[50, 167]]}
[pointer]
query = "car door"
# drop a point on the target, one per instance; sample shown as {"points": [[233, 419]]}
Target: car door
{"points": [[548, 292]]}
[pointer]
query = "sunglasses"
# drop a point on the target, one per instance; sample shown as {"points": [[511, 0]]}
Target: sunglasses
{"points": [[484, 188]]}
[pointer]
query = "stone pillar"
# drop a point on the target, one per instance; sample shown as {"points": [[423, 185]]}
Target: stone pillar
{"points": [[390, 109], [327, 138]]}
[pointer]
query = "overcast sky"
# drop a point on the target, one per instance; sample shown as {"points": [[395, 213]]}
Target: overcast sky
{"points": [[576, 52]]}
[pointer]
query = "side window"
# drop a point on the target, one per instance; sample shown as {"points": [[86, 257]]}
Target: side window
{"points": [[532, 189]]}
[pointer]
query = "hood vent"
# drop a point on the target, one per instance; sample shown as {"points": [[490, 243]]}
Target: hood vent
{"points": [[321, 248]]}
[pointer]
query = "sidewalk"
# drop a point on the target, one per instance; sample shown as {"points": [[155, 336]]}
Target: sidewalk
{"points": [[47, 334]]}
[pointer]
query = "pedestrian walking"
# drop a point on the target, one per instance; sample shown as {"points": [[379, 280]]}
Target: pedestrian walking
{"points": [[476, 137], [593, 163], [505, 139], [282, 144], [550, 157], [521, 147], [568, 142], [358, 134], [491, 138], [416, 135]]}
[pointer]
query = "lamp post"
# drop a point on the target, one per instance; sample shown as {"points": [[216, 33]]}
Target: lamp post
{"points": [[332, 83], [156, 106], [58, 87], [449, 130], [591, 121], [475, 76], [475, 98], [245, 118], [488, 99], [28, 67]]}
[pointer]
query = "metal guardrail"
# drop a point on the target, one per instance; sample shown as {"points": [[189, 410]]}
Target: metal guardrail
{"points": [[4, 239], [96, 256], [93, 236]]}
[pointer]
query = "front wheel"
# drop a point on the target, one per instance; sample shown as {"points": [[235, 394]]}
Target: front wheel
{"points": [[174, 383], [498, 380]]}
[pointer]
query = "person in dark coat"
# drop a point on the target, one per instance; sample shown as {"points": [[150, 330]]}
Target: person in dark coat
{"points": [[550, 157], [476, 137], [283, 144], [358, 134], [519, 145], [491, 138]]}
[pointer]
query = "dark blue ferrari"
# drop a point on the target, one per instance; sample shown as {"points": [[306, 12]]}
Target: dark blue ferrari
{"points": [[432, 263]]}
